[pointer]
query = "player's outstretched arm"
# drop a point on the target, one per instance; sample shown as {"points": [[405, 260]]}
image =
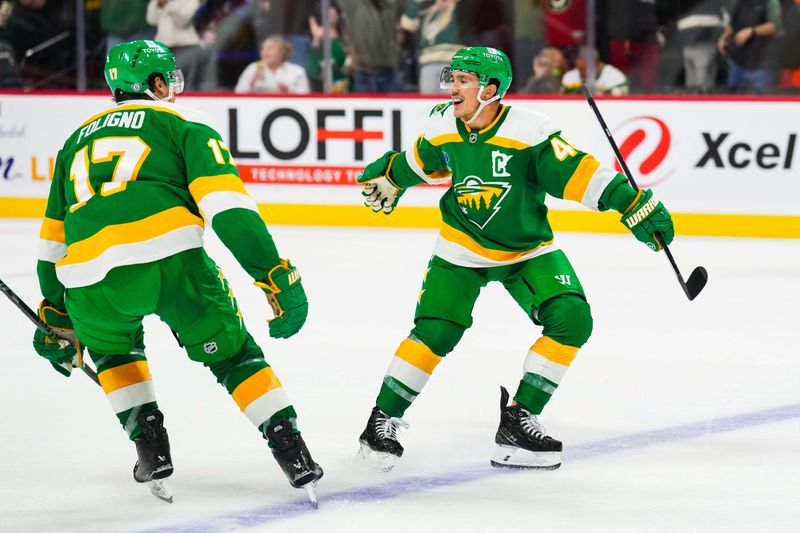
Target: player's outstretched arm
{"points": [[381, 192]]}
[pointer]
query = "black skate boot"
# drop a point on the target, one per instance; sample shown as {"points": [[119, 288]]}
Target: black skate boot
{"points": [[522, 441], [379, 445], [155, 461], [292, 455]]}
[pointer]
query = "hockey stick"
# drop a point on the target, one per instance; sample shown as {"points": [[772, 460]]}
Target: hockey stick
{"points": [[44, 328], [699, 276]]}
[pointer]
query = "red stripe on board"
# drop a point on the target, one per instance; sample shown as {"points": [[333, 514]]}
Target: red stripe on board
{"points": [[356, 135]]}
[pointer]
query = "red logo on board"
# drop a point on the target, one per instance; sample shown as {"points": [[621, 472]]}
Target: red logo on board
{"points": [[645, 144]]}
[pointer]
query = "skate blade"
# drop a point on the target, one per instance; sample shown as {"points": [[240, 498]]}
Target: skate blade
{"points": [[160, 489], [513, 457], [311, 490], [378, 460]]}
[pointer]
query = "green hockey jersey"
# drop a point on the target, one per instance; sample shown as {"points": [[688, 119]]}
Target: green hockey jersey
{"points": [[494, 212], [137, 183]]}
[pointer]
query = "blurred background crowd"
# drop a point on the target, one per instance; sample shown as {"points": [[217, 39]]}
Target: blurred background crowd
{"points": [[376, 46]]}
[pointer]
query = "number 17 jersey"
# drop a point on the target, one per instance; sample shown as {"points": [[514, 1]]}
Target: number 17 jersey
{"points": [[137, 183]]}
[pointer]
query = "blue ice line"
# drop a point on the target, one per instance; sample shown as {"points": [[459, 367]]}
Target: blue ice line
{"points": [[416, 484]]}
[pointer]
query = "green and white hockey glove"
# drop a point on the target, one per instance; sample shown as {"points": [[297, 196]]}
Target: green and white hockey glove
{"points": [[380, 192], [645, 217], [287, 298], [61, 353]]}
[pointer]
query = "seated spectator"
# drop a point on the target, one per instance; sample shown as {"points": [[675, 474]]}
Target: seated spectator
{"points": [[548, 68], [314, 59], [273, 73], [609, 79]]}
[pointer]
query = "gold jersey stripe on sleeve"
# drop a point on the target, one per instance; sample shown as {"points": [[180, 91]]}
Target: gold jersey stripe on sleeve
{"points": [[52, 230], [579, 181], [436, 176], [254, 387], [417, 354], [554, 351], [203, 185], [129, 233], [125, 375]]}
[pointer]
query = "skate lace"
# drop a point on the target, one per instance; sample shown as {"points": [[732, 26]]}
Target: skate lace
{"points": [[386, 428], [530, 425]]}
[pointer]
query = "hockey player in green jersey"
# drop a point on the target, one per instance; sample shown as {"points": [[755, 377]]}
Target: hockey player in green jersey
{"points": [[500, 162], [133, 188]]}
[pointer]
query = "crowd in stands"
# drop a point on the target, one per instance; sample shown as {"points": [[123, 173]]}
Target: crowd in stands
{"points": [[380, 46]]}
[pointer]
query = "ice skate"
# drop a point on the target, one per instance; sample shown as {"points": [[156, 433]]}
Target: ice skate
{"points": [[379, 445], [522, 441], [293, 457], [155, 462]]}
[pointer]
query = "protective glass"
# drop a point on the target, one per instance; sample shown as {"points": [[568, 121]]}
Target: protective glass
{"points": [[176, 80], [462, 78]]}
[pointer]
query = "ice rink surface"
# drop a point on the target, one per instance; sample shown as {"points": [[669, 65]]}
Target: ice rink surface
{"points": [[676, 416]]}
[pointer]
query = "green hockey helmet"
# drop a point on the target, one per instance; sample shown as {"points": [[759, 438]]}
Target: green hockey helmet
{"points": [[130, 65], [487, 63]]}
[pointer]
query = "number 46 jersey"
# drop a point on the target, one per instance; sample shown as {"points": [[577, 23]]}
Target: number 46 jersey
{"points": [[137, 183], [494, 213]]}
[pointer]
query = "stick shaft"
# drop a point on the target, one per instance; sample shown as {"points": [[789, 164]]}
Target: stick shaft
{"points": [[629, 175]]}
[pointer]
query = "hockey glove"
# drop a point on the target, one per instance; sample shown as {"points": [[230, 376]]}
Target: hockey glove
{"points": [[380, 192], [645, 217], [62, 353], [287, 298]]}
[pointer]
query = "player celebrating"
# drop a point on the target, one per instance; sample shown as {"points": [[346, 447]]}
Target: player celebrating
{"points": [[501, 162], [122, 238]]}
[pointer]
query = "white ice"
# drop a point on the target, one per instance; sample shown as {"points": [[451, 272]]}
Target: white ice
{"points": [[676, 416]]}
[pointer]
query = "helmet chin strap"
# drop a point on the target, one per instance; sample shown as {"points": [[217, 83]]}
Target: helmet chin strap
{"points": [[481, 104]]}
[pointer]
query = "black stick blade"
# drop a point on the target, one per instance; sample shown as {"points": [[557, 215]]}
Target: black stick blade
{"points": [[697, 280]]}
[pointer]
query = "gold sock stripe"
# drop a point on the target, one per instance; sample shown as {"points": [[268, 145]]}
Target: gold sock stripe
{"points": [[254, 387], [124, 375], [418, 355], [554, 351]]}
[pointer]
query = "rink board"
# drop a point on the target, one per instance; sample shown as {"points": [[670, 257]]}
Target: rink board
{"points": [[725, 167]]}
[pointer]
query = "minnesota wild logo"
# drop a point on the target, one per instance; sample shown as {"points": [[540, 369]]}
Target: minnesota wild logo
{"points": [[480, 200]]}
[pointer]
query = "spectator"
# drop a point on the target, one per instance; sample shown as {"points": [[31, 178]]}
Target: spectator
{"points": [[610, 80], [124, 21], [747, 43], [371, 38], [314, 58], [529, 38], [565, 23], [548, 68], [700, 29], [633, 42], [174, 28], [273, 73], [439, 25], [10, 77]]}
